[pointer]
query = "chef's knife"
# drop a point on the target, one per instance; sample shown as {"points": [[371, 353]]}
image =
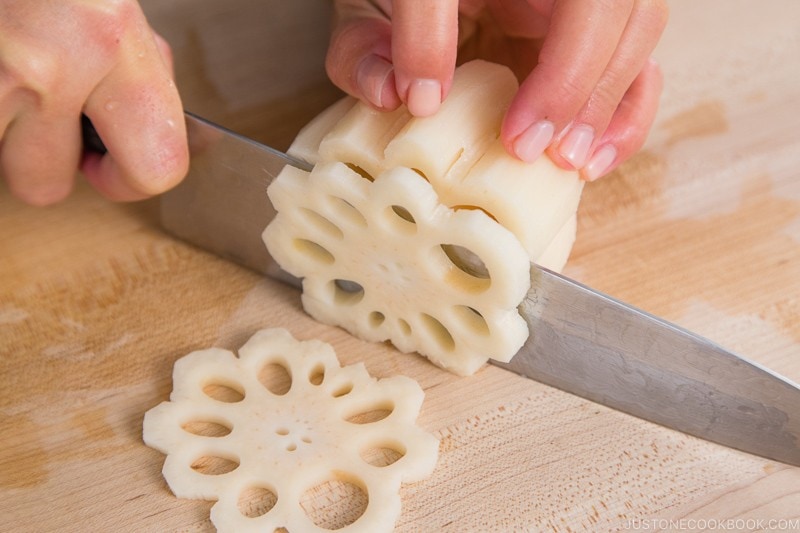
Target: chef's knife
{"points": [[581, 341]]}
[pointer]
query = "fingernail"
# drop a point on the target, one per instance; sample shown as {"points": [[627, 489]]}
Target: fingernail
{"points": [[600, 162], [371, 78], [424, 97], [532, 142], [575, 146]]}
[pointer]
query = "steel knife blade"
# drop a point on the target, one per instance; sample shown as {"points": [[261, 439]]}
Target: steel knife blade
{"points": [[582, 341]]}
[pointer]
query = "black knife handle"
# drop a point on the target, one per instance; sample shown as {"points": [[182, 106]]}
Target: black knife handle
{"points": [[91, 140]]}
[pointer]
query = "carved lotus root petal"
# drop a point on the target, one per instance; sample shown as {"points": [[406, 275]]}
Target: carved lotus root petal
{"points": [[386, 261], [276, 442]]}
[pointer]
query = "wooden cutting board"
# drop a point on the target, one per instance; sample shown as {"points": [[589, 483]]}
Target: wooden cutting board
{"points": [[702, 228]]}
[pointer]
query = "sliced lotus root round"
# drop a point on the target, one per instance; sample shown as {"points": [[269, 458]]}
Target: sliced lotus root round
{"points": [[403, 230], [386, 261], [282, 428]]}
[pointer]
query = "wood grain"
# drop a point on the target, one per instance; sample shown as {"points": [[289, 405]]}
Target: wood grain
{"points": [[702, 227]]}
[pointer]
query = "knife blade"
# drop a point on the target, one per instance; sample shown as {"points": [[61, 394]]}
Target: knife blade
{"points": [[594, 346], [582, 341], [222, 204]]}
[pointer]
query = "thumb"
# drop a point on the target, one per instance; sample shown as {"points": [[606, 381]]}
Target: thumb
{"points": [[359, 55]]}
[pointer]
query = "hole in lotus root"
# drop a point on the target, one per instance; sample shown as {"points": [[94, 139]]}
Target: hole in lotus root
{"points": [[404, 215], [438, 332], [207, 428], [360, 171], [405, 327], [370, 414], [276, 378], [317, 374], [376, 319], [383, 453], [337, 502], [256, 501], [212, 465], [322, 224], [472, 319], [466, 260], [464, 269], [342, 390], [345, 211], [347, 292], [314, 251], [401, 220], [227, 392]]}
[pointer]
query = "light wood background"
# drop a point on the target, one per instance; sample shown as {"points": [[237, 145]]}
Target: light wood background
{"points": [[702, 228]]}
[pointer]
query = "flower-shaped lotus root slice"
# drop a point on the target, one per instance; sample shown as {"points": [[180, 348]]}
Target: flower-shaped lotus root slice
{"points": [[262, 432], [386, 261]]}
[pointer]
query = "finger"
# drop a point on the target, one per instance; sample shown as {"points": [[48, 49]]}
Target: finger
{"points": [[137, 112], [579, 45], [39, 157], [165, 51], [359, 59], [424, 48], [640, 37], [630, 124]]}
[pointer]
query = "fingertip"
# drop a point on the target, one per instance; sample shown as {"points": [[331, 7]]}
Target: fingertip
{"points": [[532, 142], [603, 161], [524, 132], [575, 147], [424, 97], [168, 168]]}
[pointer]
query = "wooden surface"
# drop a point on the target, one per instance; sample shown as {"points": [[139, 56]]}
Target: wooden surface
{"points": [[701, 228]]}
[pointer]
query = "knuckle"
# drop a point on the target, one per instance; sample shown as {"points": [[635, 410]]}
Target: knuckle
{"points": [[36, 70], [657, 13], [605, 98], [571, 92], [110, 24]]}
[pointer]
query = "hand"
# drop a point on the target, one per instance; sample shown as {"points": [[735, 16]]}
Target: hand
{"points": [[589, 90], [98, 57]]}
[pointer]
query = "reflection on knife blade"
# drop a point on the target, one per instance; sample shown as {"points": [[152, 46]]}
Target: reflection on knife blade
{"points": [[601, 349]]}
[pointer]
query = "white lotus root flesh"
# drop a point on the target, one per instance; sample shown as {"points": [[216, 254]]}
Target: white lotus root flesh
{"points": [[421, 231], [236, 431]]}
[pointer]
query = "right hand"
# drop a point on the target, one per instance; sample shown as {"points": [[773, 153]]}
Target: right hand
{"points": [[97, 57]]}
